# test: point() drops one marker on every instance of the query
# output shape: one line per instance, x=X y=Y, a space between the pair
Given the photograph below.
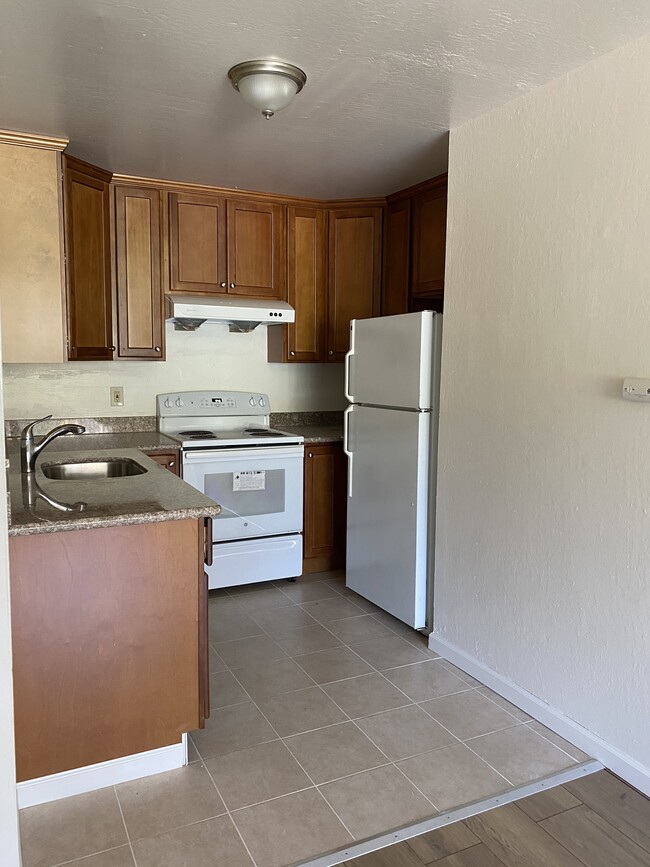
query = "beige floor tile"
x=71 y=828
x=352 y=630
x=232 y=728
x=265 y=599
x=174 y=799
x=335 y=751
x=557 y=741
x=307 y=639
x=383 y=653
x=206 y=844
x=516 y=712
x=337 y=663
x=264 y=679
x=377 y=801
x=397 y=626
x=303 y=591
x=361 y=696
x=248 y=651
x=225 y=690
x=520 y=754
x=335 y=608
x=407 y=731
x=453 y=776
x=255 y=587
x=192 y=752
x=283 y=620
x=231 y=623
x=256 y=774
x=469 y=680
x=290 y=829
x=364 y=604
x=216 y=662
x=425 y=680
x=121 y=857
x=468 y=714
x=301 y=711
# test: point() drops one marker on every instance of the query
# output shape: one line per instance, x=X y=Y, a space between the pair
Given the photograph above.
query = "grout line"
x=574 y=758
x=128 y=836
x=250 y=854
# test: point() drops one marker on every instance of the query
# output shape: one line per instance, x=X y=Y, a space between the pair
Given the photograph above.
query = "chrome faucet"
x=29 y=451
x=32 y=493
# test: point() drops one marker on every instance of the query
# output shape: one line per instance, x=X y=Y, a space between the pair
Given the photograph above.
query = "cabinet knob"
x=112 y=349
x=292 y=352
x=223 y=285
x=171 y=463
x=310 y=455
x=157 y=348
x=331 y=352
x=232 y=285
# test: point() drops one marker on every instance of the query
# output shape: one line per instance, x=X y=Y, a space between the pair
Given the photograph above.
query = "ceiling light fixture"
x=268 y=85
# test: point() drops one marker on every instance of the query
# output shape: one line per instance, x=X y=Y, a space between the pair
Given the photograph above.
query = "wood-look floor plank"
x=442 y=842
x=593 y=840
x=518 y=841
x=618 y=803
x=548 y=803
x=399 y=855
x=477 y=856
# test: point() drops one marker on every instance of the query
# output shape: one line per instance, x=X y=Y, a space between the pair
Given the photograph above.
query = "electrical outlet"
x=117 y=395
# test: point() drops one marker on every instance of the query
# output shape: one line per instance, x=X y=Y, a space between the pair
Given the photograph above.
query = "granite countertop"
x=145 y=440
x=316 y=433
x=150 y=497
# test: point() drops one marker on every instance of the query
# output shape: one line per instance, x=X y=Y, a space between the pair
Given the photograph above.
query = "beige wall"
x=31 y=286
x=211 y=357
x=543 y=547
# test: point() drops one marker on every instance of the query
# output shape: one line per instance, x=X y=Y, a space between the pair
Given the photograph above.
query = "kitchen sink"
x=115 y=468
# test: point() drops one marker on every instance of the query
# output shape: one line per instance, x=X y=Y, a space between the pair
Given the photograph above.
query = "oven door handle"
x=218 y=455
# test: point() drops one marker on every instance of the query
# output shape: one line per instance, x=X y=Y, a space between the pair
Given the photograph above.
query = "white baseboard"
x=92 y=777
x=611 y=757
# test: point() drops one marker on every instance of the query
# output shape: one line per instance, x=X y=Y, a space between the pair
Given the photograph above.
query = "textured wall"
x=208 y=358
x=543 y=551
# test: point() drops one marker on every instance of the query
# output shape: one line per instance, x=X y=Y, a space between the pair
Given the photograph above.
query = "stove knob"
x=252 y=400
x=261 y=401
x=169 y=403
x=179 y=401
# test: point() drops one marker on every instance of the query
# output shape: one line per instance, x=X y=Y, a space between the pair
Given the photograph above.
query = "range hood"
x=188 y=312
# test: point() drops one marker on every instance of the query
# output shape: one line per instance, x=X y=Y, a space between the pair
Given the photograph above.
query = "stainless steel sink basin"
x=115 y=468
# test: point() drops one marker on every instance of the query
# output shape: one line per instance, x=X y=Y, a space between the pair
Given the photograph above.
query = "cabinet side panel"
x=31 y=286
x=105 y=629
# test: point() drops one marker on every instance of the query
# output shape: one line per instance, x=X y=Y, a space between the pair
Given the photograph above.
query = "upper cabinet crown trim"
x=31 y=140
x=416 y=189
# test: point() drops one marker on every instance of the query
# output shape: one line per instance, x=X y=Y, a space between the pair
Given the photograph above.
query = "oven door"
x=259 y=489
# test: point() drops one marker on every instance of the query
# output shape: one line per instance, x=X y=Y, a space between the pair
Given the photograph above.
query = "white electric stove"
x=255 y=473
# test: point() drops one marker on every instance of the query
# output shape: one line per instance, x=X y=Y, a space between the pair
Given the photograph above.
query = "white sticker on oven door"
x=249 y=480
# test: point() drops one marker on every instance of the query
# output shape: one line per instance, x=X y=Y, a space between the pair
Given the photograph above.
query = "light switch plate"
x=117 y=395
x=636 y=389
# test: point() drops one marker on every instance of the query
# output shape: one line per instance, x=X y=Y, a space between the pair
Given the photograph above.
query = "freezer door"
x=393 y=360
x=388 y=509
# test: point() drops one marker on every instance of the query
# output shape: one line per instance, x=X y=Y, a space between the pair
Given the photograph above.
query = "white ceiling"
x=140 y=86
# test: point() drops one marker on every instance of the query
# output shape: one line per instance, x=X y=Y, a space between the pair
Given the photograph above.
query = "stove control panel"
x=211 y=403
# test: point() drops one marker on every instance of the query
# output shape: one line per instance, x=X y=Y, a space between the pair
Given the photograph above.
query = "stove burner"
x=263 y=433
x=195 y=433
x=255 y=430
x=208 y=436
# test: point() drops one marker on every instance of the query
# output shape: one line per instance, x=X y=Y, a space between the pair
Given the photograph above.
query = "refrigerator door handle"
x=348 y=361
x=346 y=445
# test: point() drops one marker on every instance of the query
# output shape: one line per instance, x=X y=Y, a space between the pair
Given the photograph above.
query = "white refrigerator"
x=392 y=378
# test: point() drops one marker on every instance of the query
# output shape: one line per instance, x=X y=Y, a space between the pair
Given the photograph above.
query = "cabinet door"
x=324 y=507
x=168 y=460
x=88 y=261
x=197 y=243
x=354 y=273
x=139 y=289
x=397 y=249
x=307 y=283
x=429 y=239
x=256 y=249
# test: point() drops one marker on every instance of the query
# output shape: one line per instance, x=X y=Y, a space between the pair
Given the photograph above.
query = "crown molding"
x=32 y=140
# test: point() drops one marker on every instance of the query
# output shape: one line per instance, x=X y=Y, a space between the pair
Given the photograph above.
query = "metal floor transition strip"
x=365 y=847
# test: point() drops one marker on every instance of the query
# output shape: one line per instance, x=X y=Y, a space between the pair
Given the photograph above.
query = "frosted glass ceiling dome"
x=268 y=85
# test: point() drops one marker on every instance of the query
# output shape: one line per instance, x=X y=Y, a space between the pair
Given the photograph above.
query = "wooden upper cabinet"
x=397 y=244
x=87 y=232
x=256 y=249
x=307 y=283
x=197 y=243
x=354 y=273
x=138 y=273
x=429 y=239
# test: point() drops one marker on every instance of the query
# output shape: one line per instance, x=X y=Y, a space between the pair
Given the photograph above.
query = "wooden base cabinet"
x=169 y=460
x=107 y=624
x=325 y=507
